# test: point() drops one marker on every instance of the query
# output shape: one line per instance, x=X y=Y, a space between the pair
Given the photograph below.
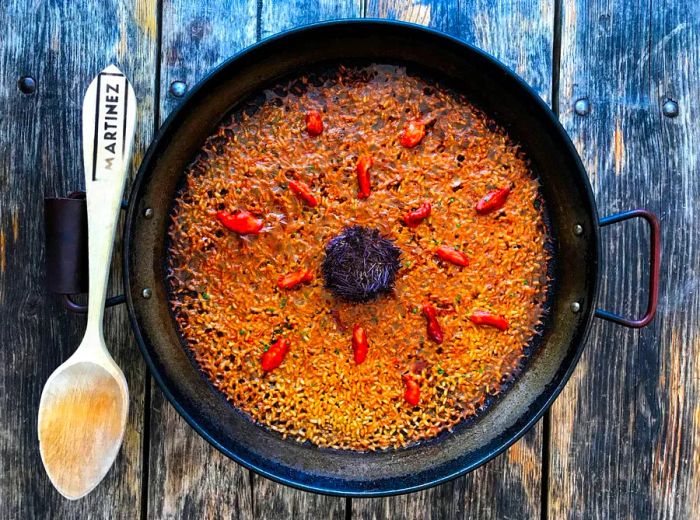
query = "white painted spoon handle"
x=109 y=115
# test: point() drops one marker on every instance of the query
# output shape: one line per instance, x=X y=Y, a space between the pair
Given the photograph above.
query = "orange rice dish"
x=267 y=300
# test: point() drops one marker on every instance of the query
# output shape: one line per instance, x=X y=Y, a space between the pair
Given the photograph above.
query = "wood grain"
x=276 y=17
x=507 y=487
x=81 y=421
x=520 y=34
x=62 y=46
x=272 y=500
x=198 y=36
x=625 y=441
x=187 y=477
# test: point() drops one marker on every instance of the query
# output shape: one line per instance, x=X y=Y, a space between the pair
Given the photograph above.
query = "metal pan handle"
x=80 y=308
x=655 y=258
x=65 y=224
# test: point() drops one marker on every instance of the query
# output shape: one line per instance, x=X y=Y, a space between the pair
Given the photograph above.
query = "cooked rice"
x=229 y=309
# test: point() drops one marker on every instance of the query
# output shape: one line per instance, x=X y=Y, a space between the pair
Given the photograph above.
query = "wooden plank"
x=507 y=487
x=198 y=36
x=273 y=500
x=187 y=477
x=276 y=17
x=520 y=34
x=625 y=438
x=62 y=46
x=195 y=39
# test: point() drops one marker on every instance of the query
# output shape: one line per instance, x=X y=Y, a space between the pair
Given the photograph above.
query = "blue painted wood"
x=274 y=500
x=624 y=433
x=187 y=477
x=625 y=438
x=520 y=34
x=278 y=16
x=62 y=46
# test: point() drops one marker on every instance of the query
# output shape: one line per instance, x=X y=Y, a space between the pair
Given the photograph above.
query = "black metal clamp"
x=65 y=224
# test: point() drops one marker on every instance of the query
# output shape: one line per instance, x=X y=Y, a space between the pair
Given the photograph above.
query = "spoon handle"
x=109 y=116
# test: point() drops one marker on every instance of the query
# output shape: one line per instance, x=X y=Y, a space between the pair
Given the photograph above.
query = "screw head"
x=575 y=307
x=582 y=106
x=178 y=88
x=26 y=85
x=670 y=108
x=147 y=293
x=148 y=213
x=578 y=230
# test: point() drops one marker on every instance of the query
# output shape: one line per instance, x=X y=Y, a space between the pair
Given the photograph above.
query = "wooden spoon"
x=84 y=404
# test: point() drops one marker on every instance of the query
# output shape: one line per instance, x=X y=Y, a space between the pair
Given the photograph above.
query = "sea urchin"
x=360 y=264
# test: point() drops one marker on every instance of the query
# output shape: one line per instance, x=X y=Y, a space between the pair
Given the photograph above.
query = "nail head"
x=146 y=293
x=578 y=229
x=26 y=85
x=148 y=213
x=670 y=108
x=178 y=88
x=582 y=106
x=575 y=307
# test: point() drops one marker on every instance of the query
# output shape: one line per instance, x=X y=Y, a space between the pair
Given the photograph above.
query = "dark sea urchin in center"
x=360 y=264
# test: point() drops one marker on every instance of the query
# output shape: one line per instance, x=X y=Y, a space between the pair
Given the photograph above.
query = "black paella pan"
x=574 y=226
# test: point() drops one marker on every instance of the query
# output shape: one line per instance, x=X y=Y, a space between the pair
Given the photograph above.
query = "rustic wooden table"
x=622 y=441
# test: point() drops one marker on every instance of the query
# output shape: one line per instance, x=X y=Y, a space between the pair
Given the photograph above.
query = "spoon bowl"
x=82 y=418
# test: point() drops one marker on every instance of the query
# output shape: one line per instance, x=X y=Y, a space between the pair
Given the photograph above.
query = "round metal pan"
x=574 y=226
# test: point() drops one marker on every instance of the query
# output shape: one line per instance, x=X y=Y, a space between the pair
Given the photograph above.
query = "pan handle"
x=654 y=259
x=65 y=225
x=80 y=308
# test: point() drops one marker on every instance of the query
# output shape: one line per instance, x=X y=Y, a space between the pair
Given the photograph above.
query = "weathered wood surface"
x=196 y=38
x=520 y=34
x=274 y=500
x=625 y=440
x=62 y=46
x=187 y=477
x=624 y=435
